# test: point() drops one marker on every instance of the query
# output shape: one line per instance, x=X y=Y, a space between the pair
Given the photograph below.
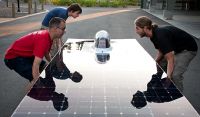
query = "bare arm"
x=60 y=43
x=35 y=68
x=35 y=72
x=48 y=57
x=170 y=63
x=159 y=56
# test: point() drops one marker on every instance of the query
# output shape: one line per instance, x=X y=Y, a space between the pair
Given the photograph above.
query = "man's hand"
x=159 y=56
x=170 y=63
x=35 y=73
x=30 y=85
x=167 y=82
x=48 y=57
x=35 y=83
x=35 y=68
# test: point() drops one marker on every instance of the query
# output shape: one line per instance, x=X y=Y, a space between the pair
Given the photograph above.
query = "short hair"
x=143 y=21
x=75 y=7
x=55 y=22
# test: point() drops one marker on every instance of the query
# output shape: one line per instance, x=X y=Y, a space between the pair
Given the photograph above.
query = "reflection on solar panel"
x=122 y=87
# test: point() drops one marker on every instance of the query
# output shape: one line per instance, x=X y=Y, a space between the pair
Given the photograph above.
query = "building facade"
x=191 y=5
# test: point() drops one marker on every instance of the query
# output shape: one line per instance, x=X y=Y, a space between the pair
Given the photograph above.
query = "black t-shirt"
x=170 y=38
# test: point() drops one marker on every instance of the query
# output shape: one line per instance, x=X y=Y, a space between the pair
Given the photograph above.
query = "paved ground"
x=118 y=22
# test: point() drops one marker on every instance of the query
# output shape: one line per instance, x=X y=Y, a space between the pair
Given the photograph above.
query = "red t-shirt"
x=34 y=44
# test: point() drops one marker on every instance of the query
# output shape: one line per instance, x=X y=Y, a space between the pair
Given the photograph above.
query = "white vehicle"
x=102 y=46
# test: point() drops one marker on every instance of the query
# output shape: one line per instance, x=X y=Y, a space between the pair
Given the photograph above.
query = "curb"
x=24 y=16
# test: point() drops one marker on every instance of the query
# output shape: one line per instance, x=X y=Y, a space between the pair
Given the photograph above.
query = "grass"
x=97 y=3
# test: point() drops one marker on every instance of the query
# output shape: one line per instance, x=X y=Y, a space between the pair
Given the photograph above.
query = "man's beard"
x=143 y=34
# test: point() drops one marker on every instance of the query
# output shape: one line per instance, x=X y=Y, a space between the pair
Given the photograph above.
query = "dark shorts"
x=23 y=66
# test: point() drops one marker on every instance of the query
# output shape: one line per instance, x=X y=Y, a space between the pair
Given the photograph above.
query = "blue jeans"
x=23 y=66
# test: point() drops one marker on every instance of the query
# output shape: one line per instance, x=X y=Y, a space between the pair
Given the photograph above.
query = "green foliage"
x=41 y=1
x=103 y=3
x=100 y=3
x=133 y=2
x=89 y=3
x=60 y=2
x=81 y=2
x=118 y=3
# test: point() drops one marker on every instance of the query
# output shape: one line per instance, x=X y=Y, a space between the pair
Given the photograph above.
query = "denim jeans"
x=23 y=66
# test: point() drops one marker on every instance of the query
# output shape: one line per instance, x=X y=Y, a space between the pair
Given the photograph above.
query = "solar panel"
x=121 y=86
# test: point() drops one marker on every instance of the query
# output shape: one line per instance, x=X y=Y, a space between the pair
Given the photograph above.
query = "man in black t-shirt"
x=176 y=48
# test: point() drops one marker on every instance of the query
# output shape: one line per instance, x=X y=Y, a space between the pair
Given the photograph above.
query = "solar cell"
x=124 y=86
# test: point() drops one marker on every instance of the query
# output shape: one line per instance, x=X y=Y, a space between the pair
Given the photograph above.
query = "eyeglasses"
x=63 y=29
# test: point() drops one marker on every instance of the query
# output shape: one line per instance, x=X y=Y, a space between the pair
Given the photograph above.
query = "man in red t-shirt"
x=25 y=55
